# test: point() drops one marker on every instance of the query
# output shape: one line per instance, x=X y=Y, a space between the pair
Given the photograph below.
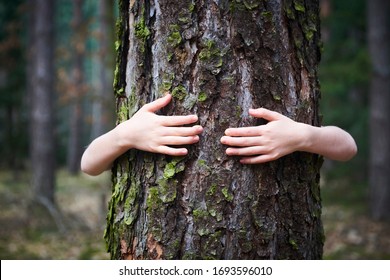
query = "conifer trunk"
x=218 y=59
x=379 y=168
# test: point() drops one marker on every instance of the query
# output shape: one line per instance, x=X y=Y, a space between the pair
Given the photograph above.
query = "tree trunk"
x=379 y=45
x=100 y=109
x=218 y=59
x=76 y=109
x=41 y=100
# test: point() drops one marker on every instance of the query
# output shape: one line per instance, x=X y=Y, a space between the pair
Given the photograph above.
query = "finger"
x=179 y=140
x=247 y=151
x=241 y=141
x=257 y=159
x=172 y=151
x=182 y=131
x=178 y=120
x=157 y=104
x=243 y=131
x=265 y=114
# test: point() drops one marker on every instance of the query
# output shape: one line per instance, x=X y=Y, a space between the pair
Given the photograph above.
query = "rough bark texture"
x=379 y=44
x=218 y=59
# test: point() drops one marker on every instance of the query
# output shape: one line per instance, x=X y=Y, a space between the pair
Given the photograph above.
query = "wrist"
x=308 y=141
x=121 y=139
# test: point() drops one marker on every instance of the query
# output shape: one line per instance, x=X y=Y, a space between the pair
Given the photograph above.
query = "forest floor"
x=349 y=232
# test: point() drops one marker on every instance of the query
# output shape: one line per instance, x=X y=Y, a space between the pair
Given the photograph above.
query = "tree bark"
x=379 y=45
x=218 y=59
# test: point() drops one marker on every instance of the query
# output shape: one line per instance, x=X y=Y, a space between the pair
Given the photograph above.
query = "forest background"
x=84 y=64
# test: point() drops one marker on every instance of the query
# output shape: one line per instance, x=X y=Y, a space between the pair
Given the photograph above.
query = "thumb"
x=158 y=103
x=265 y=114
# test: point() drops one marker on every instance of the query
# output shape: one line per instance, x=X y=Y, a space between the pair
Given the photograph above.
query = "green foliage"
x=13 y=112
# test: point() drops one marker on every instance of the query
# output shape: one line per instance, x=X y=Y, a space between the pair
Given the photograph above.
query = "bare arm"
x=282 y=136
x=144 y=131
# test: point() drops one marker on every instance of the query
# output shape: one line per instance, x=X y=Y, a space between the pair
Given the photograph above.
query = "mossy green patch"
x=191 y=8
x=199 y=213
x=203 y=231
x=290 y=13
x=166 y=85
x=210 y=50
x=238 y=111
x=252 y=4
x=174 y=166
x=123 y=112
x=174 y=38
x=299 y=6
x=169 y=170
x=117 y=45
x=179 y=92
x=276 y=97
x=167 y=190
x=228 y=195
x=212 y=190
x=293 y=243
x=309 y=30
x=202 y=96
x=216 y=214
x=142 y=33
x=153 y=199
x=141 y=30
x=204 y=167
x=267 y=15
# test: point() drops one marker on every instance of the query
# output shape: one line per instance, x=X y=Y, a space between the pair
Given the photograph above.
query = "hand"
x=154 y=133
x=259 y=144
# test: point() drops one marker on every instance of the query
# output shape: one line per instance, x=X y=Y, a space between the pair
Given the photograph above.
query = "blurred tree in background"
x=40 y=91
x=379 y=45
x=354 y=75
x=48 y=68
x=78 y=90
x=344 y=77
x=96 y=38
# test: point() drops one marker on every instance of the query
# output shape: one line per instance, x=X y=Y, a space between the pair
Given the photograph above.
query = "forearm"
x=329 y=141
x=101 y=153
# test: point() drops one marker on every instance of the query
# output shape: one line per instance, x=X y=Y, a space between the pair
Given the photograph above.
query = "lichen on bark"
x=218 y=59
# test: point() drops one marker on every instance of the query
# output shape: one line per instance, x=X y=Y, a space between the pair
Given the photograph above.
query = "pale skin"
x=145 y=131
x=154 y=133
x=282 y=136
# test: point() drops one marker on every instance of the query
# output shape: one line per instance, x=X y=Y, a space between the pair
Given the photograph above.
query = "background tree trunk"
x=41 y=99
x=75 y=148
x=218 y=59
x=379 y=45
x=101 y=107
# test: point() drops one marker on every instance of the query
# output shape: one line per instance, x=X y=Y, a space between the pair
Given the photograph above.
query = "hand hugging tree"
x=217 y=61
